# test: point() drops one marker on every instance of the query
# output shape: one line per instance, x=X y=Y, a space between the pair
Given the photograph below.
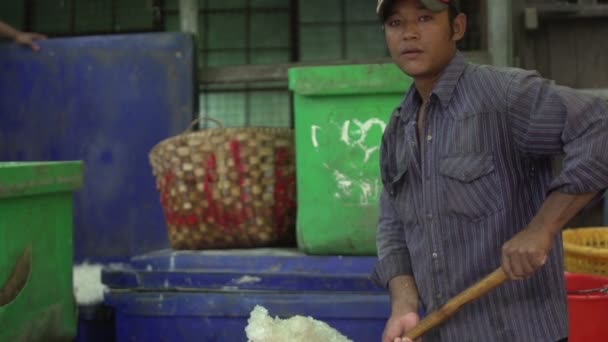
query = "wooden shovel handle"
x=474 y=292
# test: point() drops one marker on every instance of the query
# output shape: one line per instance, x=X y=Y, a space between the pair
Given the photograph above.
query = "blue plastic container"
x=105 y=100
x=208 y=295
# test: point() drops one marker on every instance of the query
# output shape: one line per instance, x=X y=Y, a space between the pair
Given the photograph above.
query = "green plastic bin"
x=340 y=115
x=36 y=233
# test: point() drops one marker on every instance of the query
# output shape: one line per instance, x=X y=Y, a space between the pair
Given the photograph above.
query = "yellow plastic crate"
x=586 y=250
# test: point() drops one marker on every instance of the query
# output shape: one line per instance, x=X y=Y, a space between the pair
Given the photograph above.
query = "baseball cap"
x=433 y=5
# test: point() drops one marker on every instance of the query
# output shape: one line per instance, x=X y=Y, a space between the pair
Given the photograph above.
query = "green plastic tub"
x=340 y=115
x=36 y=296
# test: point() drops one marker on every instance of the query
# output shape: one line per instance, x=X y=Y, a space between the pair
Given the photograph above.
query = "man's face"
x=420 y=41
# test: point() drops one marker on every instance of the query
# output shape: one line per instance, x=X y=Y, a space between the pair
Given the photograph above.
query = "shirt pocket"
x=393 y=167
x=394 y=182
x=471 y=184
x=400 y=192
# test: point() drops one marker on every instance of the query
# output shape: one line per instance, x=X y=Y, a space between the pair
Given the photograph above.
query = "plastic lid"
x=255 y=269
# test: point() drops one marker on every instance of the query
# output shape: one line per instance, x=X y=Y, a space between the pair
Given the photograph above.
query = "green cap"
x=433 y=5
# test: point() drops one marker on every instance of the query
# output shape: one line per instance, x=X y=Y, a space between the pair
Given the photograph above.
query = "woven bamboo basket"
x=586 y=250
x=227 y=187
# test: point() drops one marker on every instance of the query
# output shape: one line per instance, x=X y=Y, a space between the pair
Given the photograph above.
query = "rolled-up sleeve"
x=547 y=120
x=393 y=255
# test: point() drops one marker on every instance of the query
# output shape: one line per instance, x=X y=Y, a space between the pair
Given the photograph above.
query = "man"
x=468 y=183
x=24 y=38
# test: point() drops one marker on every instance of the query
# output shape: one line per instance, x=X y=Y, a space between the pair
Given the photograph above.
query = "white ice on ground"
x=263 y=328
x=88 y=288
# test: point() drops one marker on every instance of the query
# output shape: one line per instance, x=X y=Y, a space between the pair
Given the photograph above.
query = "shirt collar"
x=410 y=105
x=444 y=89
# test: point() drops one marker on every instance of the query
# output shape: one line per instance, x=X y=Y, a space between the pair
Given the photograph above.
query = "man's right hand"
x=399 y=325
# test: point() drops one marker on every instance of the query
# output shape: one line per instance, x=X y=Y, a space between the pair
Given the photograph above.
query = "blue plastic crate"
x=208 y=295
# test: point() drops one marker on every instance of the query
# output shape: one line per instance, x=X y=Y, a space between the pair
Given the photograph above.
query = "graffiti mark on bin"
x=314 y=130
x=357 y=136
x=367 y=190
x=355 y=180
x=354 y=133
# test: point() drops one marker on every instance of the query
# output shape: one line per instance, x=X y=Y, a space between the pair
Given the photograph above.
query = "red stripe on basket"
x=240 y=216
x=235 y=148
x=211 y=174
x=164 y=186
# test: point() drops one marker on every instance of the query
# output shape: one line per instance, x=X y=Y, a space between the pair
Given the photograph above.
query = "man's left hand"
x=527 y=252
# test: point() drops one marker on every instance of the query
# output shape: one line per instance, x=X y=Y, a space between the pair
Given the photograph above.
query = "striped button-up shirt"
x=475 y=178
